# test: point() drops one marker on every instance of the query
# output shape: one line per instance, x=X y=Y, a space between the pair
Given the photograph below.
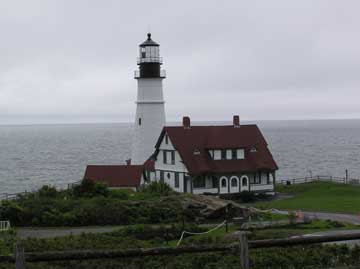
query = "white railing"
x=4 y=225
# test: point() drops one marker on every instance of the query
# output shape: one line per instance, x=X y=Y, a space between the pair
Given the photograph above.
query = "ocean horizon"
x=56 y=154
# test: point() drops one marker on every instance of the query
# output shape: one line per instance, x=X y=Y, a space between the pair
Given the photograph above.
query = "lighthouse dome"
x=149 y=42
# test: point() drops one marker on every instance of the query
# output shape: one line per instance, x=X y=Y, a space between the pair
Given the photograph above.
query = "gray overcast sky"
x=73 y=61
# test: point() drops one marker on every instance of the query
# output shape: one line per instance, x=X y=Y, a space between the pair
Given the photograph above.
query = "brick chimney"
x=236 y=121
x=128 y=162
x=186 y=122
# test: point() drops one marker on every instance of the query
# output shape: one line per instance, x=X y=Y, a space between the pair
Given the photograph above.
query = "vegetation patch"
x=93 y=204
x=317 y=196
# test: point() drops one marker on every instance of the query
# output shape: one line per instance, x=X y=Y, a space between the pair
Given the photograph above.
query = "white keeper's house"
x=213 y=159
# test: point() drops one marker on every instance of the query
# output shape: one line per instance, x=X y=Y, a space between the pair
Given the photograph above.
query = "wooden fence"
x=11 y=196
x=344 y=180
x=241 y=248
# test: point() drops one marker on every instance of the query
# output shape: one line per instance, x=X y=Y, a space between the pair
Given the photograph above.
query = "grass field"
x=318 y=196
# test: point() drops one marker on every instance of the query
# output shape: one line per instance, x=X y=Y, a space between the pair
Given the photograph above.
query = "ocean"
x=34 y=155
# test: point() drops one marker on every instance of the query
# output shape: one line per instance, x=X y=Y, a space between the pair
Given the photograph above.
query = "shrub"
x=47 y=191
x=247 y=196
x=157 y=187
x=89 y=188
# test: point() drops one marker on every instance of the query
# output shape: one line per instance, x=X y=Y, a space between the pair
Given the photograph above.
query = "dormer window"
x=226 y=154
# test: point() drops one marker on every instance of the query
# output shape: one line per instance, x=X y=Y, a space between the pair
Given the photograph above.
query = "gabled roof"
x=115 y=175
x=203 y=138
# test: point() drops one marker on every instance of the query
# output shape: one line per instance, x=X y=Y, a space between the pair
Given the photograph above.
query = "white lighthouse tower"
x=150 y=110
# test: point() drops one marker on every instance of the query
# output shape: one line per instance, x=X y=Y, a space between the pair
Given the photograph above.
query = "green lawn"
x=318 y=196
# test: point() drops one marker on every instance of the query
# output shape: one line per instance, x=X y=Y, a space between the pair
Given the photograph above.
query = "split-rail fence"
x=241 y=248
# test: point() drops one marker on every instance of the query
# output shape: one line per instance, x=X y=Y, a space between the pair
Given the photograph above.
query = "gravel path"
x=354 y=219
x=63 y=231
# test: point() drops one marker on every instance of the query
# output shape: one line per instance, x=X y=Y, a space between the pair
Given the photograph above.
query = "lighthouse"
x=150 y=107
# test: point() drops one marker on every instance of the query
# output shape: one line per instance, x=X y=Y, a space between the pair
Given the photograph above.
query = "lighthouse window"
x=143 y=53
x=139 y=121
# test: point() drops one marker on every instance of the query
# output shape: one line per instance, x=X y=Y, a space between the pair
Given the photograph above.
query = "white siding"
x=159 y=163
x=150 y=109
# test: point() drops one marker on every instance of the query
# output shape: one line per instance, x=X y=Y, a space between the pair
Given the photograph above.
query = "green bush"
x=47 y=191
x=247 y=196
x=157 y=187
x=89 y=188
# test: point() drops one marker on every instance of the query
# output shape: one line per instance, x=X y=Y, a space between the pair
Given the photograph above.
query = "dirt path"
x=353 y=219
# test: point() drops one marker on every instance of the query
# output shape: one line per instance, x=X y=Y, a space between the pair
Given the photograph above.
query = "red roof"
x=149 y=165
x=115 y=175
x=203 y=138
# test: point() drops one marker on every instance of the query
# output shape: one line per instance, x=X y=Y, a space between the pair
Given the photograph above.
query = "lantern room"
x=149 y=60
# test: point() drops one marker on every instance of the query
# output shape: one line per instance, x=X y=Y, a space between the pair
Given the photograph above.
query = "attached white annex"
x=213 y=159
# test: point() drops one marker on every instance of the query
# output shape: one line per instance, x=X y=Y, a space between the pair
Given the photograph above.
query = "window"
x=234 y=182
x=173 y=157
x=161 y=176
x=199 y=182
x=253 y=149
x=223 y=154
x=169 y=156
x=196 y=152
x=240 y=154
x=217 y=154
x=143 y=53
x=257 y=178
x=211 y=152
x=223 y=183
x=139 y=121
x=176 y=180
x=168 y=175
x=166 y=139
x=215 y=181
x=268 y=178
x=244 y=181
x=228 y=154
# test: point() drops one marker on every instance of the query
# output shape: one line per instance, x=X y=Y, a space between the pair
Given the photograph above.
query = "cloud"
x=74 y=61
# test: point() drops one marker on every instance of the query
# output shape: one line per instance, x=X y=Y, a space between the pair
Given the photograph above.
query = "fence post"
x=244 y=251
x=19 y=255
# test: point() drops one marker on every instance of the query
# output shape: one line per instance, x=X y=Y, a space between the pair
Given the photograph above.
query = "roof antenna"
x=149 y=28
